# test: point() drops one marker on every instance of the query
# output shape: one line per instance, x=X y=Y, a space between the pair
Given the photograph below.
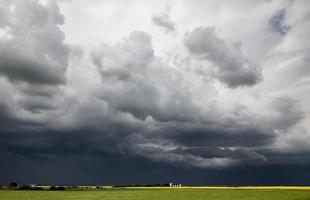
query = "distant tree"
x=53 y=187
x=12 y=185
x=29 y=187
x=25 y=187
x=57 y=188
x=60 y=188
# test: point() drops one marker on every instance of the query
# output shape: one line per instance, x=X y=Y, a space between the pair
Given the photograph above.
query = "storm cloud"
x=33 y=51
x=234 y=69
x=213 y=98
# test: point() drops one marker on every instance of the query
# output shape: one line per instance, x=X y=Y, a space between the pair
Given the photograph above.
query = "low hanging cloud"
x=232 y=67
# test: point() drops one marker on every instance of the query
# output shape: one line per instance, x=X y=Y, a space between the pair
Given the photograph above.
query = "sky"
x=195 y=92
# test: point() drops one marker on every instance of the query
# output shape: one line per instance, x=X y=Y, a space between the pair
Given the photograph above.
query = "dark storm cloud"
x=10 y=119
x=51 y=143
x=138 y=109
x=233 y=68
x=41 y=157
x=136 y=82
x=243 y=138
x=103 y=140
x=111 y=169
x=33 y=57
x=200 y=146
x=219 y=137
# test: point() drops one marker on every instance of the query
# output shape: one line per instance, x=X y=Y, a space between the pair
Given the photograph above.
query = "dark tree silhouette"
x=12 y=185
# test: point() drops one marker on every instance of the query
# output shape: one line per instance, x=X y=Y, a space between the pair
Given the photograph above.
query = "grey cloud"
x=238 y=155
x=30 y=69
x=233 y=68
x=143 y=100
x=187 y=160
x=35 y=52
x=135 y=81
x=209 y=155
x=125 y=58
x=143 y=107
x=291 y=53
x=10 y=120
x=38 y=98
x=101 y=130
x=164 y=21
x=38 y=90
x=202 y=146
x=34 y=61
x=223 y=143
x=277 y=22
x=219 y=137
x=37 y=104
x=288 y=111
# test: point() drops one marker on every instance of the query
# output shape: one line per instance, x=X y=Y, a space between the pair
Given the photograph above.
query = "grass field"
x=161 y=194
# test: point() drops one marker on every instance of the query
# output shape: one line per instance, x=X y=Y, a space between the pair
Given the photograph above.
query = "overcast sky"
x=117 y=91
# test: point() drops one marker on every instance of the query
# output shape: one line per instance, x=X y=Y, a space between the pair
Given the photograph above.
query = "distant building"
x=175 y=185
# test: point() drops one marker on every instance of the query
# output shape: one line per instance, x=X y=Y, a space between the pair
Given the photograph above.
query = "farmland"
x=196 y=193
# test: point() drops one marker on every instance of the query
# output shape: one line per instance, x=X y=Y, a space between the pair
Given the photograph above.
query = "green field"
x=161 y=194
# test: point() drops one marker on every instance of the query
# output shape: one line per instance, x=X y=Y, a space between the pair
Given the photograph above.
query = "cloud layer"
x=212 y=95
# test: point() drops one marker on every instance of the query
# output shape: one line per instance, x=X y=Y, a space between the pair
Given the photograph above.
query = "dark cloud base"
x=112 y=169
x=71 y=158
